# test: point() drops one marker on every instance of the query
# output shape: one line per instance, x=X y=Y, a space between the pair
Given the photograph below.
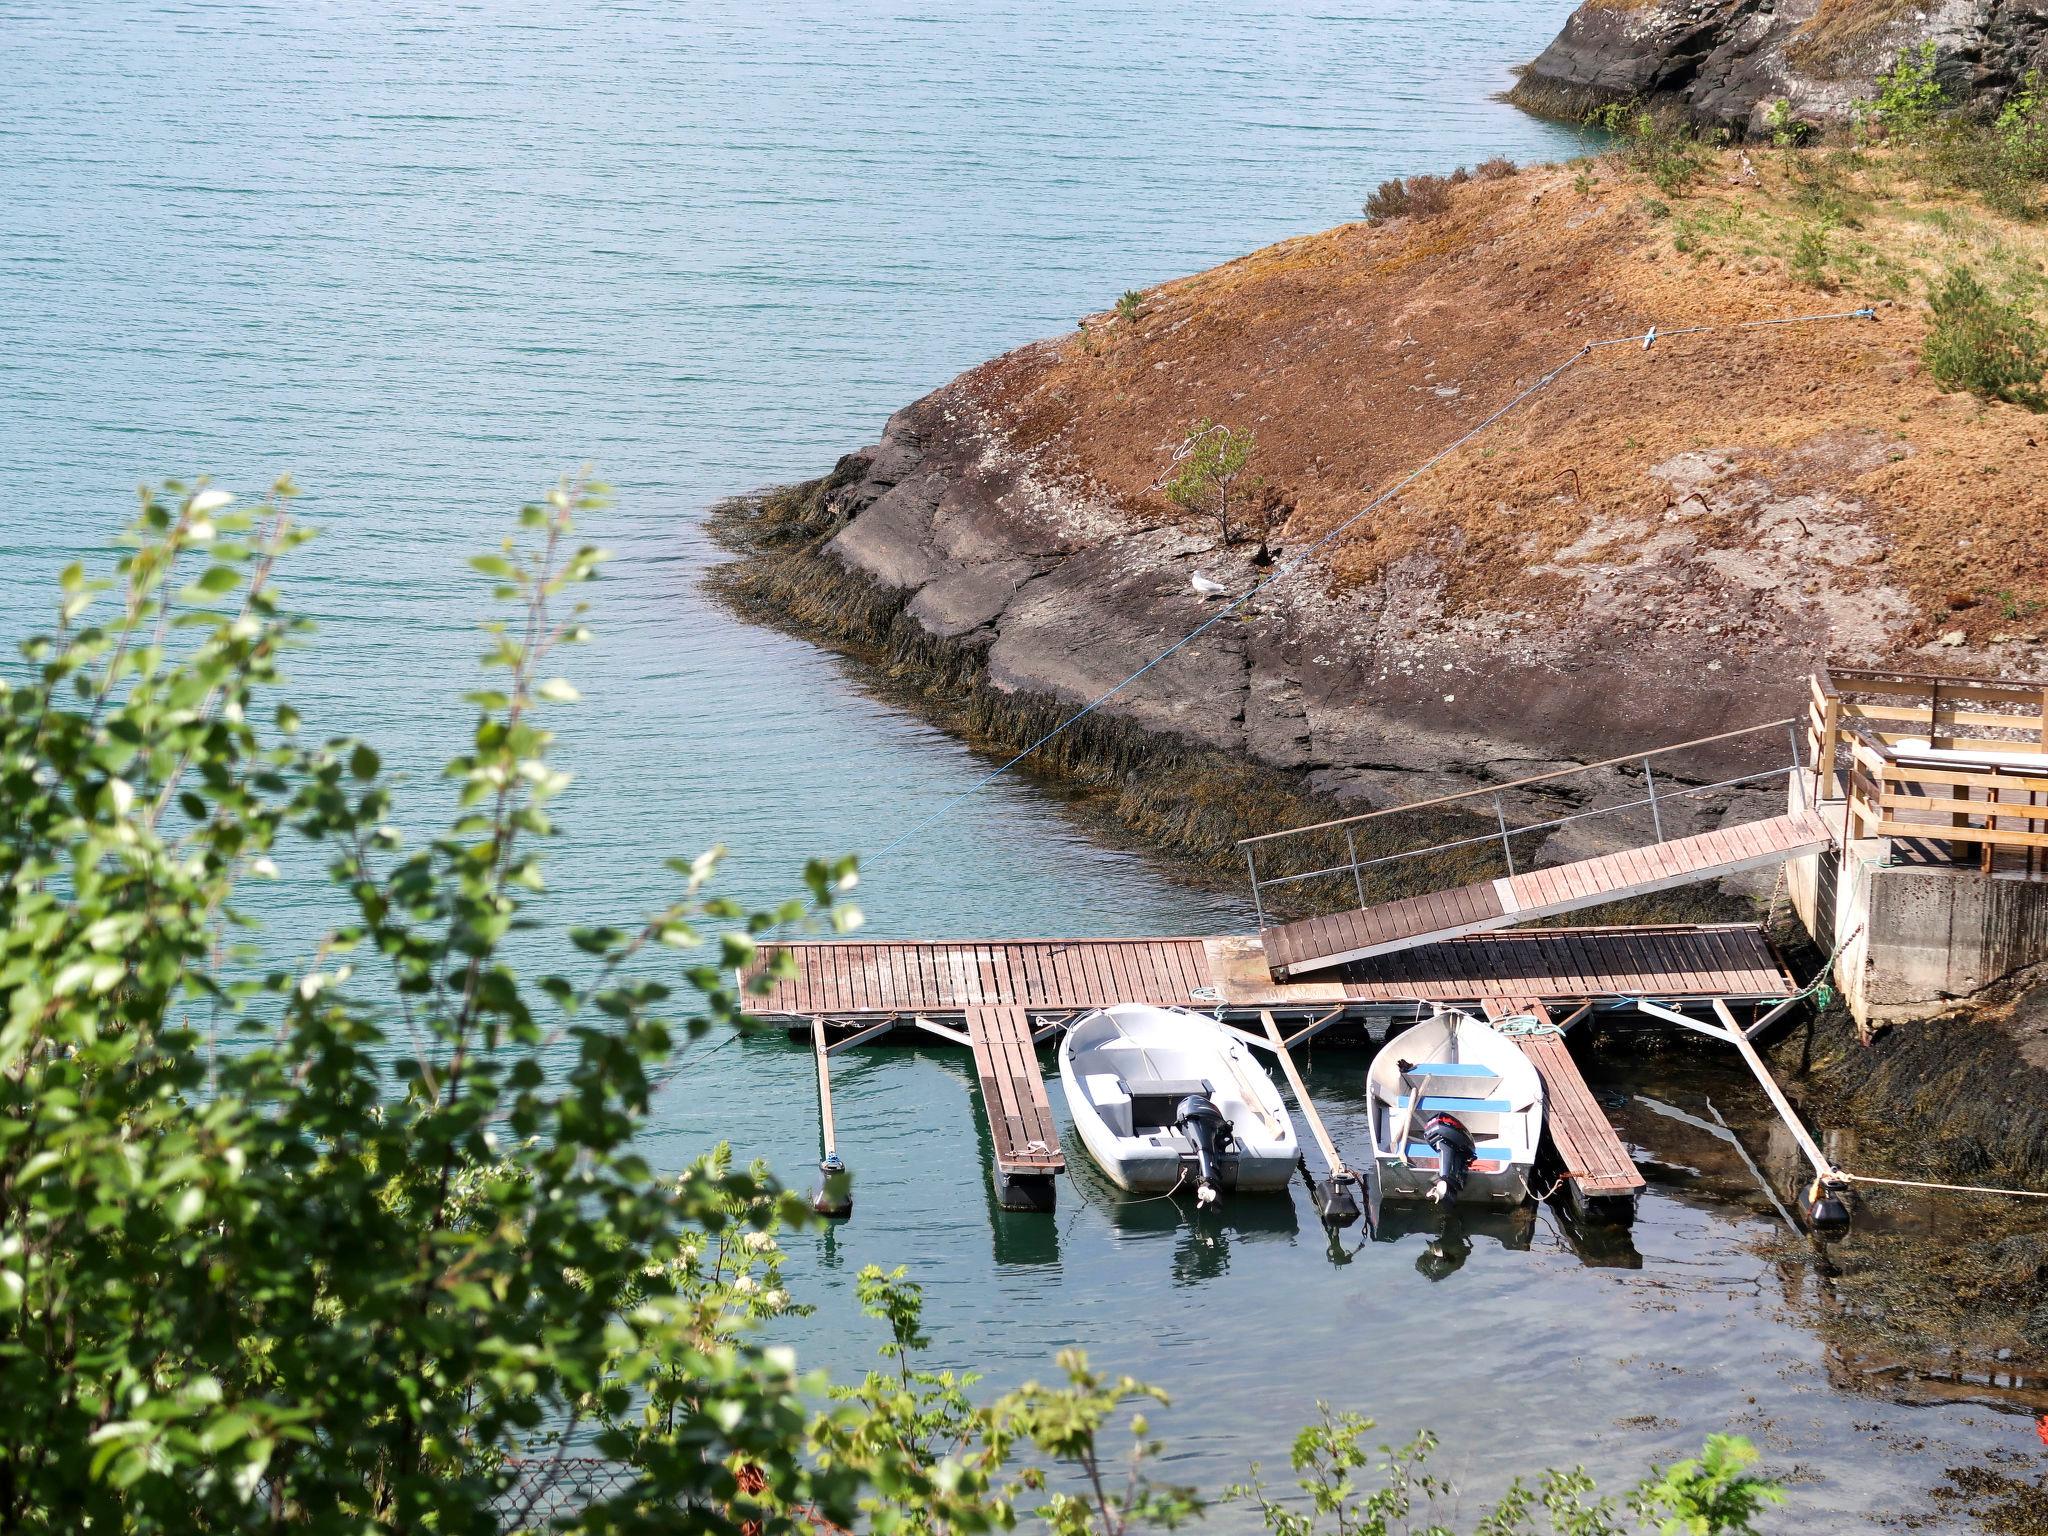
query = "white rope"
x=1525 y=1024
x=1958 y=1189
x=1294 y=562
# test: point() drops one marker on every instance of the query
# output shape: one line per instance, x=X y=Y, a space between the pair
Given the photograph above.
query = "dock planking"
x=853 y=981
x=1319 y=943
x=1597 y=1169
x=1004 y=993
x=1027 y=1143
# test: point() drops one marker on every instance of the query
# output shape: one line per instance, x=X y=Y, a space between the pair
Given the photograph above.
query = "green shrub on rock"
x=1417 y=197
x=1659 y=146
x=1980 y=343
x=1909 y=96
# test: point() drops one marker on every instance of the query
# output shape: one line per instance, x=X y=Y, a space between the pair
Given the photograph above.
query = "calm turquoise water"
x=429 y=259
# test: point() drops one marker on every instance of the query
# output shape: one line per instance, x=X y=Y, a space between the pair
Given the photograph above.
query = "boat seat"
x=1432 y=1102
x=1451 y=1069
x=1160 y=1087
x=1105 y=1091
x=1485 y=1154
x=1154 y=1099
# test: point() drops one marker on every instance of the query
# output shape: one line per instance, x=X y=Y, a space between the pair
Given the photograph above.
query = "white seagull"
x=1208 y=588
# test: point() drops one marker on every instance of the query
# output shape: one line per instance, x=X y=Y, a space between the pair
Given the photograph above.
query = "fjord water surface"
x=429 y=259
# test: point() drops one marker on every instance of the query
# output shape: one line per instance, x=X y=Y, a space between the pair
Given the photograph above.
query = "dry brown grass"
x=1356 y=353
x=1842 y=31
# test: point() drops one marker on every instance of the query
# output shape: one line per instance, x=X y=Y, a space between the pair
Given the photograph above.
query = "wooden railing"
x=1863 y=728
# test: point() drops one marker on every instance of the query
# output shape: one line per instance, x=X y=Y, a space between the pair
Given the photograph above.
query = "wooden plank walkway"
x=1318 y=943
x=1597 y=1168
x=870 y=980
x=847 y=979
x=1027 y=1143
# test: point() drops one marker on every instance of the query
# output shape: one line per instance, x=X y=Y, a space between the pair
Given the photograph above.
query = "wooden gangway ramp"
x=1599 y=1175
x=1319 y=943
x=1027 y=1143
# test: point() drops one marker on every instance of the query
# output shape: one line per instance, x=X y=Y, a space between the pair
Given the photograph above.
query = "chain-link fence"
x=544 y=1489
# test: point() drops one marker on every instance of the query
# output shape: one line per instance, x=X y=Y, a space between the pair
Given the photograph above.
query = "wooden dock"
x=852 y=984
x=1027 y=1143
x=1600 y=1176
x=1002 y=997
x=1319 y=943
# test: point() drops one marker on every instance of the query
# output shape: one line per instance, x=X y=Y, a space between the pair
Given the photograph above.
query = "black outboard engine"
x=1455 y=1152
x=1197 y=1118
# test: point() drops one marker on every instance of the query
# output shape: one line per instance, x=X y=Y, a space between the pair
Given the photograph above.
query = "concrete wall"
x=1919 y=938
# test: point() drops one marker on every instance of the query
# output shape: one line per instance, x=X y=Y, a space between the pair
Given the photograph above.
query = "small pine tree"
x=1980 y=343
x=1210 y=472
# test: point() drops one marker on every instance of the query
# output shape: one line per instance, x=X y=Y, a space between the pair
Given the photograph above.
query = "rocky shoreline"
x=1945 y=1099
x=1659 y=553
x=1723 y=63
x=1148 y=778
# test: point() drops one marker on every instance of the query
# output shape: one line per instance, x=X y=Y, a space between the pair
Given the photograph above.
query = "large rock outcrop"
x=1724 y=62
x=1654 y=546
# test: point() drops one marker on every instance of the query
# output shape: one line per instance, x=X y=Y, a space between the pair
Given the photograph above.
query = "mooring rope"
x=1820 y=984
x=1959 y=1189
x=1294 y=562
x=1525 y=1024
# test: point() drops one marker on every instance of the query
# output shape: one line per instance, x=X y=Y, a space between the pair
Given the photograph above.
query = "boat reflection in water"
x=1447 y=1236
x=1204 y=1237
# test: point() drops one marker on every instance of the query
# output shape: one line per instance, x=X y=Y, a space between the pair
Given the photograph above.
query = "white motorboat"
x=1166 y=1099
x=1457 y=1113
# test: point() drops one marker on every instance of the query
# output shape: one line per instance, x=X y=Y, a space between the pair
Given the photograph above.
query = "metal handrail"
x=1500 y=789
x=1651 y=800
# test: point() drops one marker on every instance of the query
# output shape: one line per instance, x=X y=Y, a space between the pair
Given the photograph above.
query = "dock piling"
x=834 y=1195
x=1826 y=1201
x=1337 y=1196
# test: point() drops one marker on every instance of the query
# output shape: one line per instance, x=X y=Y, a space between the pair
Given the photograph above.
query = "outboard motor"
x=1455 y=1152
x=1198 y=1118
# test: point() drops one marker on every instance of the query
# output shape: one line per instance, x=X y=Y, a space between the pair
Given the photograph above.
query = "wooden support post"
x=834 y=1196
x=1310 y=1031
x=1331 y=1160
x=829 y=1132
x=860 y=1036
x=1824 y=1204
x=1337 y=1195
x=1762 y=1073
x=1776 y=1013
x=1673 y=1016
x=1823 y=1199
x=1578 y=1013
x=952 y=1036
x=1824 y=759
